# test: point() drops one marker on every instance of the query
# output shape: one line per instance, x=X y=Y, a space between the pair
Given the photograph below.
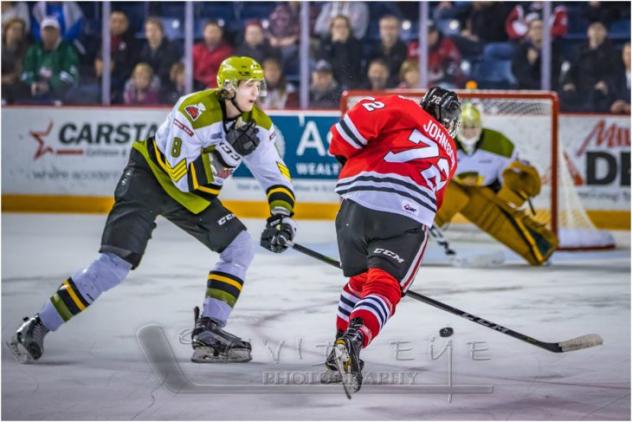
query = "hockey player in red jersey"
x=398 y=155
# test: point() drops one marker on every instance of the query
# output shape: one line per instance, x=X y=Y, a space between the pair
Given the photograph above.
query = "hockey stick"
x=458 y=260
x=577 y=343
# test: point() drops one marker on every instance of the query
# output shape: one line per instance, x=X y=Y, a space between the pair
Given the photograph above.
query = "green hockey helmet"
x=471 y=127
x=235 y=69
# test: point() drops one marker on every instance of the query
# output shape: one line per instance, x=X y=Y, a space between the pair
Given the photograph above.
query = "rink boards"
x=68 y=159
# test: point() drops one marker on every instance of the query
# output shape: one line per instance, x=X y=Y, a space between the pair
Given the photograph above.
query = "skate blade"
x=207 y=355
x=343 y=363
x=20 y=352
x=330 y=377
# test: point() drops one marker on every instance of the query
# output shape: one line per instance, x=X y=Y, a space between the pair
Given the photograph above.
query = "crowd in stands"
x=52 y=51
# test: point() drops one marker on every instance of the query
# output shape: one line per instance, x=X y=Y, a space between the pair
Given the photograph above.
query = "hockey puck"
x=446 y=332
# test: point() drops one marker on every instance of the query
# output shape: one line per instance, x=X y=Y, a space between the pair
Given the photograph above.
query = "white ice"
x=95 y=366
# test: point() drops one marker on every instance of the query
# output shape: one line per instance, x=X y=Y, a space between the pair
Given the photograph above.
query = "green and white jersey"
x=493 y=153
x=191 y=159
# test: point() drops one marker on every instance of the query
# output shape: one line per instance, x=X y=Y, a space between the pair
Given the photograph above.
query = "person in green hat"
x=178 y=174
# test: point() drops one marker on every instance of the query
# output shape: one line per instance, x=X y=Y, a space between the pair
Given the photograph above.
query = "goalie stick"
x=490 y=259
x=577 y=343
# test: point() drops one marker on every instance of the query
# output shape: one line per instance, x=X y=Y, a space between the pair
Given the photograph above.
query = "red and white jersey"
x=399 y=158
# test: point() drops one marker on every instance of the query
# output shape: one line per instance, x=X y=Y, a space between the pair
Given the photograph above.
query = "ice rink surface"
x=127 y=356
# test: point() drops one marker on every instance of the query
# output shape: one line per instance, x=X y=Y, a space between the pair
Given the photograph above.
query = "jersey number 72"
x=436 y=175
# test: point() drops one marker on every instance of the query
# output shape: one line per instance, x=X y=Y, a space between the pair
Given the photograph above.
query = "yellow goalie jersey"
x=191 y=159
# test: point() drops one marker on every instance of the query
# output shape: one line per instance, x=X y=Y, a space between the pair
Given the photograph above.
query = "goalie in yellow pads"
x=490 y=188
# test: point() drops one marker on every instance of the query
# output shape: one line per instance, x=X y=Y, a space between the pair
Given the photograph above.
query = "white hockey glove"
x=280 y=229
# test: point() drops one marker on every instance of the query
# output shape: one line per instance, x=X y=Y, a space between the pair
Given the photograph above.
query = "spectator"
x=283 y=30
x=158 y=51
x=409 y=75
x=143 y=87
x=605 y=12
x=622 y=84
x=16 y=9
x=208 y=54
x=444 y=59
x=378 y=75
x=124 y=50
x=344 y=52
x=13 y=51
x=526 y=63
x=67 y=13
x=280 y=93
x=588 y=83
x=517 y=22
x=324 y=91
x=355 y=11
x=177 y=87
x=391 y=48
x=486 y=21
x=255 y=44
x=50 y=66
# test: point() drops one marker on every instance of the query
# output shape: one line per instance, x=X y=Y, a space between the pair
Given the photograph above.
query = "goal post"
x=530 y=120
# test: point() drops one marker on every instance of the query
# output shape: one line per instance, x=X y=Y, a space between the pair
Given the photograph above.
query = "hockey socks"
x=222 y=291
x=63 y=305
x=350 y=295
x=381 y=293
x=76 y=293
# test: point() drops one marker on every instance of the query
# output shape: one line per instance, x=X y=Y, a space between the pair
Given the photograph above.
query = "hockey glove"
x=280 y=229
x=243 y=139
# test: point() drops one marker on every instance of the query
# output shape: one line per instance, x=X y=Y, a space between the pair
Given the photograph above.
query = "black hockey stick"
x=458 y=260
x=577 y=343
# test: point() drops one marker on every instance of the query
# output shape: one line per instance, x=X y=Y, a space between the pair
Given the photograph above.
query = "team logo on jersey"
x=410 y=208
x=194 y=110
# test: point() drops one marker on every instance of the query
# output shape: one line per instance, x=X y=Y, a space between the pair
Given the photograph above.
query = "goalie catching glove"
x=521 y=181
x=280 y=230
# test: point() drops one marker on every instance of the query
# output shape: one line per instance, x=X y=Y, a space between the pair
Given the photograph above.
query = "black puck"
x=446 y=332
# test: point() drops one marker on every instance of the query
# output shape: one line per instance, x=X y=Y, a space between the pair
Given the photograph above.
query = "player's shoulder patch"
x=260 y=118
x=201 y=108
x=496 y=143
x=194 y=110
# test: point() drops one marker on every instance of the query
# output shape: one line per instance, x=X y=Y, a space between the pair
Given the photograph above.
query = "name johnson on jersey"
x=398 y=158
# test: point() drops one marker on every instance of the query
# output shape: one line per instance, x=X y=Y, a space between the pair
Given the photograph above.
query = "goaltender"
x=491 y=186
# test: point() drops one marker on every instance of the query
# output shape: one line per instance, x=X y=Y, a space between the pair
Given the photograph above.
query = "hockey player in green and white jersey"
x=179 y=174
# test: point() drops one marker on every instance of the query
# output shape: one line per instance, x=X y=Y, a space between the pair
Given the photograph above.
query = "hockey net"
x=530 y=120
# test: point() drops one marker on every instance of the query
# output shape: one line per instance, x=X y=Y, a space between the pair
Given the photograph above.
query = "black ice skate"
x=27 y=344
x=211 y=344
x=331 y=374
x=347 y=357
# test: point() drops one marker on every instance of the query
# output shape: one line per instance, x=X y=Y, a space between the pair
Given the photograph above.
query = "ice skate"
x=27 y=344
x=331 y=374
x=347 y=357
x=211 y=344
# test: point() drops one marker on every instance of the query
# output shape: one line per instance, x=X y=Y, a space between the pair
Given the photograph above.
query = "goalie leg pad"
x=511 y=227
x=454 y=201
